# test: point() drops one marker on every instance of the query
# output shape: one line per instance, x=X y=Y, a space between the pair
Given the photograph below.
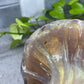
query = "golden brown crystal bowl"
x=54 y=54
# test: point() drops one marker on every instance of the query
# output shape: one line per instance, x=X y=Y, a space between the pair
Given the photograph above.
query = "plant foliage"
x=23 y=25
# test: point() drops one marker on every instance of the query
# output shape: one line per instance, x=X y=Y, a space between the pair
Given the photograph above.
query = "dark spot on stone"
x=43 y=27
x=45 y=42
x=75 y=20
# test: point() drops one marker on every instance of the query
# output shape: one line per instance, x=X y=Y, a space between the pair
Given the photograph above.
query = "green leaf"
x=26 y=29
x=59 y=3
x=58 y=13
x=76 y=5
x=83 y=4
x=14 y=29
x=24 y=19
x=19 y=22
x=1 y=34
x=14 y=43
x=28 y=24
x=77 y=8
x=76 y=11
x=42 y=17
x=72 y=1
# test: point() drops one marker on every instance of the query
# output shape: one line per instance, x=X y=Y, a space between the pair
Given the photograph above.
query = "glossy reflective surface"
x=54 y=54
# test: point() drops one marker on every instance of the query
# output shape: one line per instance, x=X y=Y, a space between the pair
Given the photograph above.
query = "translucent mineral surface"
x=54 y=54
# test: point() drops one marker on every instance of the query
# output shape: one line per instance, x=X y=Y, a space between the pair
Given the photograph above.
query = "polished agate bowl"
x=54 y=54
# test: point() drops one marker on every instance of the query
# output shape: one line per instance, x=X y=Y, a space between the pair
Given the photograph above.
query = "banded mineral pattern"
x=54 y=54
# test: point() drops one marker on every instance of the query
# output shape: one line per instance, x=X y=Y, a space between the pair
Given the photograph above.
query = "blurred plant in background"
x=24 y=25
